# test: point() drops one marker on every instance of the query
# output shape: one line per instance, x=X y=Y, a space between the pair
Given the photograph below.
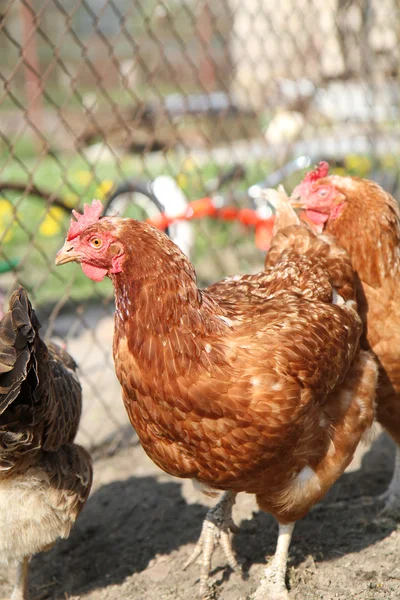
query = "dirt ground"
x=140 y=525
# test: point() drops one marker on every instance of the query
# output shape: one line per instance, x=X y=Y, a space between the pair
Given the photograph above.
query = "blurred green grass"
x=31 y=231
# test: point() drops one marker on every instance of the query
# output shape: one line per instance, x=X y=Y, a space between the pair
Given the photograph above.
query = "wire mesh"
x=96 y=93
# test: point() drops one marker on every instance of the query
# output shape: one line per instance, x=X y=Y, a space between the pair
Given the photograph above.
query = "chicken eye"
x=96 y=242
x=322 y=192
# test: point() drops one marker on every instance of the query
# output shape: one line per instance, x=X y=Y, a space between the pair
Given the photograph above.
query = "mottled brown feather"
x=245 y=384
x=369 y=229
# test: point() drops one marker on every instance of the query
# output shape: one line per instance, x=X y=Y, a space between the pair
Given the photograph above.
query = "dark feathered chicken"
x=45 y=478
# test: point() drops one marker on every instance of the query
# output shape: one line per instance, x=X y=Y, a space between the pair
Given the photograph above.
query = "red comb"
x=321 y=171
x=91 y=214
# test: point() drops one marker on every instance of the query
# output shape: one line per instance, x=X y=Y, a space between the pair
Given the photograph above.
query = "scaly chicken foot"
x=216 y=529
x=391 y=497
x=273 y=586
x=20 y=591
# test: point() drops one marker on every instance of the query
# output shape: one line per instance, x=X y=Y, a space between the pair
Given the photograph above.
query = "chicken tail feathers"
x=18 y=330
x=285 y=214
x=291 y=234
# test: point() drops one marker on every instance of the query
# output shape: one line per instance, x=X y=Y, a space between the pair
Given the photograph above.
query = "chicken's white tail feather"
x=285 y=214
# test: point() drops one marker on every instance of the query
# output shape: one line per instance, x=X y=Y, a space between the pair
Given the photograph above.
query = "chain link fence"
x=101 y=97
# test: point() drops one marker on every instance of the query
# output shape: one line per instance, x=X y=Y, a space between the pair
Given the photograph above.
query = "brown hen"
x=366 y=221
x=45 y=478
x=255 y=384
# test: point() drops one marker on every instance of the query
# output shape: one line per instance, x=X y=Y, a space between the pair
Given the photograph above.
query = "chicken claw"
x=272 y=586
x=216 y=529
x=391 y=497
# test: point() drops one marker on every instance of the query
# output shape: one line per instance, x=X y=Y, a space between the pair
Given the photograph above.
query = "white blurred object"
x=264 y=211
x=175 y=203
x=101 y=152
x=293 y=92
x=285 y=127
x=89 y=101
x=353 y=101
x=130 y=73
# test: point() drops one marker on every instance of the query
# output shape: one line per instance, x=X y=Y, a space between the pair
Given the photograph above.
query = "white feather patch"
x=205 y=489
x=337 y=298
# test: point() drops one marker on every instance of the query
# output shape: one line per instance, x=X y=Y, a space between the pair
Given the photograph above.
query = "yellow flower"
x=104 y=188
x=188 y=164
x=340 y=171
x=6 y=209
x=84 y=177
x=51 y=223
x=360 y=164
x=6 y=237
x=71 y=200
x=6 y=220
x=181 y=180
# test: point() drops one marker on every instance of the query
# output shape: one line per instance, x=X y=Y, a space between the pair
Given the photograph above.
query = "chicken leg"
x=20 y=591
x=272 y=586
x=216 y=529
x=392 y=495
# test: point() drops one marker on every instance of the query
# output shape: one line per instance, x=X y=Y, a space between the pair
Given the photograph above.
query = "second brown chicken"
x=365 y=220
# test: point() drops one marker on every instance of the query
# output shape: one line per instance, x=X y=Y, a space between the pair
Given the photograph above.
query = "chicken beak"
x=296 y=202
x=66 y=254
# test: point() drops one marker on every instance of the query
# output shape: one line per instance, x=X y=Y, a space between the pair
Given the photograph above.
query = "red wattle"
x=95 y=273
x=316 y=217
